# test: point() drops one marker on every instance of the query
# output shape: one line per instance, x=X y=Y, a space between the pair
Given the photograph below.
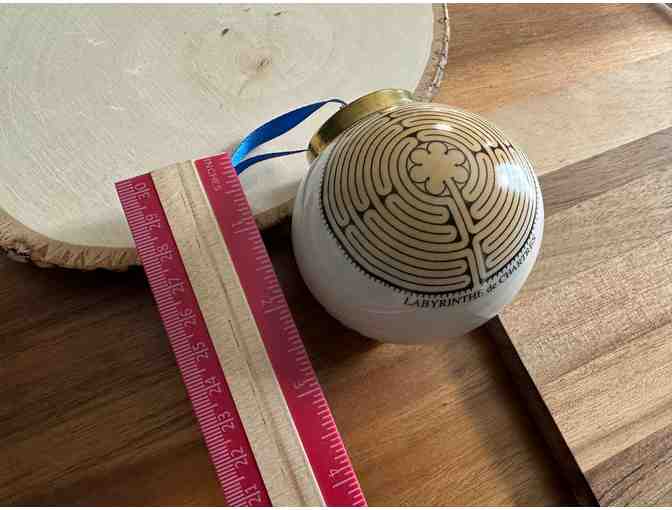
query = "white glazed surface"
x=376 y=310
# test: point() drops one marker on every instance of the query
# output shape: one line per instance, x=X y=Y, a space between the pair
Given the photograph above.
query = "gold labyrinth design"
x=428 y=199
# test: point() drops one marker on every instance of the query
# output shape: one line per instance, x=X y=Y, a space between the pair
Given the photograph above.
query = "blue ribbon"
x=271 y=130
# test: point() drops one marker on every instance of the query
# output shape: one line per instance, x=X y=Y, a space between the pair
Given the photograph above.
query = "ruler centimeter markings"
x=230 y=450
x=237 y=340
x=213 y=404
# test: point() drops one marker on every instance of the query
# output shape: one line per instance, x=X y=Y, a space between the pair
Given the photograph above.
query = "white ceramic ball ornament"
x=416 y=222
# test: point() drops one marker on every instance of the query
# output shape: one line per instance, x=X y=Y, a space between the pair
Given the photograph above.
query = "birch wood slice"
x=94 y=94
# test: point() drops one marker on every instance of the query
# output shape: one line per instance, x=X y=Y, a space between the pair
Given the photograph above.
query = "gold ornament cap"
x=349 y=115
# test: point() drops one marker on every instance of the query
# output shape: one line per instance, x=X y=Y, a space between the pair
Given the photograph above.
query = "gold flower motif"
x=435 y=164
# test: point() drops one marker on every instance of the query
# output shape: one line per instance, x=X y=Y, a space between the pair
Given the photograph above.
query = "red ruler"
x=197 y=352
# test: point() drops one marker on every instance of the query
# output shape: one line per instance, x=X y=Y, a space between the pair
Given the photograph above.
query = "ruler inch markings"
x=270 y=323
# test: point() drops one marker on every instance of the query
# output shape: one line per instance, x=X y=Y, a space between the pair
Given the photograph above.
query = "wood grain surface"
x=589 y=330
x=93 y=410
x=592 y=326
x=96 y=413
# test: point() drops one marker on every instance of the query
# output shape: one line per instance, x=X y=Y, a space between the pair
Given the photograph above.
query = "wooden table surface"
x=92 y=408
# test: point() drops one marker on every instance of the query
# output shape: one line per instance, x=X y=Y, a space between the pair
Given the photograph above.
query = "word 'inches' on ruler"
x=266 y=423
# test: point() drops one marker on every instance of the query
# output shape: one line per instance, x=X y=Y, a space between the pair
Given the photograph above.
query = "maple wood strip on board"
x=592 y=325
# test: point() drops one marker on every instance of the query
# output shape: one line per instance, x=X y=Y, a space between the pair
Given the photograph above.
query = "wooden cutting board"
x=590 y=335
x=588 y=338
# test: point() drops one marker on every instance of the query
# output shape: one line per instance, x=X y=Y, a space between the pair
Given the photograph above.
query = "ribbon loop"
x=271 y=130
